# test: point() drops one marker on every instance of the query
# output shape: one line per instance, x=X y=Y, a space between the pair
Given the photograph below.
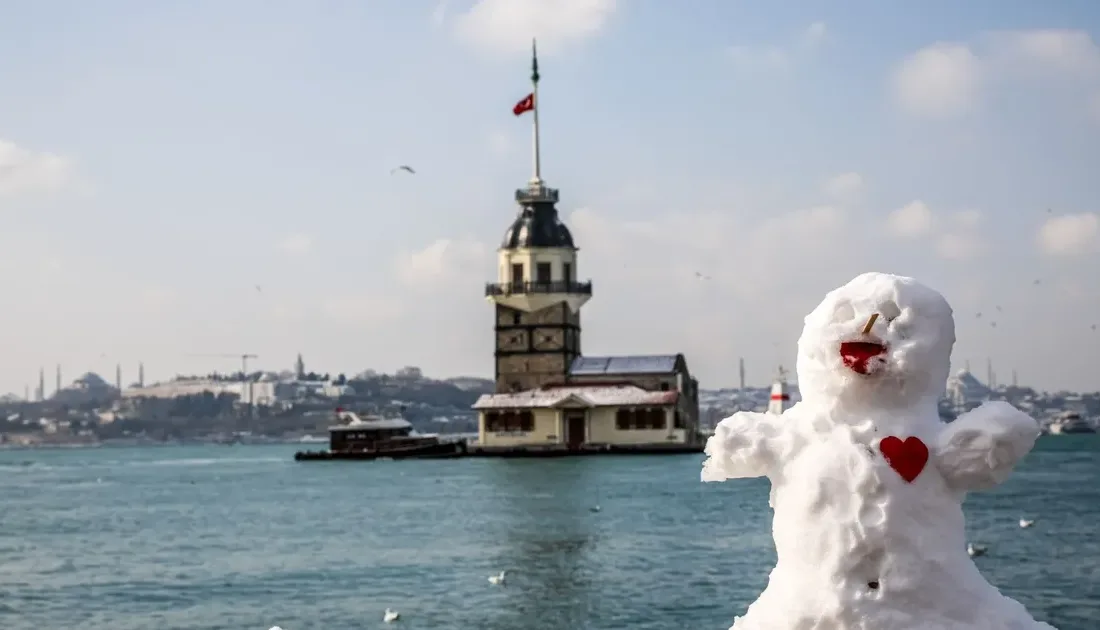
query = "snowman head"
x=879 y=341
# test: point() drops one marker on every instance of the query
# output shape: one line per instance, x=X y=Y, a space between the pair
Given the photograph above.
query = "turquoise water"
x=240 y=537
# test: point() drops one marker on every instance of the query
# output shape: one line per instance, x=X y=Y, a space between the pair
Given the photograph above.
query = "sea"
x=243 y=537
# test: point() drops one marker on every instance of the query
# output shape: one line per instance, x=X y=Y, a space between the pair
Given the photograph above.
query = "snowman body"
x=868 y=482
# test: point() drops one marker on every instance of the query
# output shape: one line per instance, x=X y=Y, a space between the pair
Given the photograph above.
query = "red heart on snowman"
x=907 y=458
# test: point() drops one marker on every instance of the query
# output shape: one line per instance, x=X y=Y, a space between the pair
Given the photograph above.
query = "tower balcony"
x=500 y=289
x=536 y=193
x=535 y=296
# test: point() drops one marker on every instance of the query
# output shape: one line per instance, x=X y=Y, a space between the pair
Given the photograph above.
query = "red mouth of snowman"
x=857 y=355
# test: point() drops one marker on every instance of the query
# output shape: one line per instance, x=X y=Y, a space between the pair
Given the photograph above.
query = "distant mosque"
x=549 y=397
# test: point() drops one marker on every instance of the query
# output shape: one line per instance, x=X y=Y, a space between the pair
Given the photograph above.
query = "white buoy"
x=497 y=579
x=1024 y=523
x=391 y=616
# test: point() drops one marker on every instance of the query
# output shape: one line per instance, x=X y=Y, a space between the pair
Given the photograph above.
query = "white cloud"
x=959 y=245
x=948 y=79
x=844 y=185
x=913 y=220
x=1045 y=52
x=815 y=34
x=955 y=237
x=1070 y=235
x=25 y=171
x=443 y=261
x=967 y=219
x=774 y=58
x=439 y=14
x=296 y=244
x=939 y=81
x=507 y=26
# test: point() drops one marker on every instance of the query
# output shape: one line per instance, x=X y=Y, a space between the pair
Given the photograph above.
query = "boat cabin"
x=365 y=433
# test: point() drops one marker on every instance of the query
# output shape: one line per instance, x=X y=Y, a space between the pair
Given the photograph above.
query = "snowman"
x=867 y=482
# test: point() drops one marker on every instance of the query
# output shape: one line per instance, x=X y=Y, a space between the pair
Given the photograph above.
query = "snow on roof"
x=368 y=423
x=655 y=364
x=581 y=395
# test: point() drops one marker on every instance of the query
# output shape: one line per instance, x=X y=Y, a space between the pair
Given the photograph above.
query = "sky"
x=183 y=180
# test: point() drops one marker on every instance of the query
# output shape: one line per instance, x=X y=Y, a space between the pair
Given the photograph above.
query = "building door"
x=574 y=429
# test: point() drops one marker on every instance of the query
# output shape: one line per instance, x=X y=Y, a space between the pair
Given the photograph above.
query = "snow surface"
x=858 y=546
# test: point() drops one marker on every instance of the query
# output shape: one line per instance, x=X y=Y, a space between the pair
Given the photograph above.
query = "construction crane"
x=244 y=357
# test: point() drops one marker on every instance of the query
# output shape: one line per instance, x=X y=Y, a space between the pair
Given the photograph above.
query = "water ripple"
x=243 y=537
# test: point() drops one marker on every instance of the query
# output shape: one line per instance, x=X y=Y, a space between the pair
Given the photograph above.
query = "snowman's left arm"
x=979 y=449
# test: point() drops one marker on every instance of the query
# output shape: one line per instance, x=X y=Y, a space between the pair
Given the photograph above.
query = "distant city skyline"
x=215 y=178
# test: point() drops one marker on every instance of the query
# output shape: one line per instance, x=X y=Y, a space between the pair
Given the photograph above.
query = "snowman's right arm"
x=745 y=444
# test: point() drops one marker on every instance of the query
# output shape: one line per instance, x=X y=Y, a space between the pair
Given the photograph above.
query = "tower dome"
x=537 y=225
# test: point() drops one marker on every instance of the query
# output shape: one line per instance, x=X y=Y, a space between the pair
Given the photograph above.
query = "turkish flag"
x=525 y=105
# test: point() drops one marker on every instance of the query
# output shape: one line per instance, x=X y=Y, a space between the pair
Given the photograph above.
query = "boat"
x=1070 y=422
x=366 y=437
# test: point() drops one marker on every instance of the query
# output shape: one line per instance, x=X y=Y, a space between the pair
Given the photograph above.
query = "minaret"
x=118 y=376
x=537 y=296
x=57 y=387
x=741 y=370
x=299 y=368
x=141 y=375
x=779 y=397
x=41 y=393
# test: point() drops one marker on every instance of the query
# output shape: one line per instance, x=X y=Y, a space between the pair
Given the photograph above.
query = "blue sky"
x=160 y=160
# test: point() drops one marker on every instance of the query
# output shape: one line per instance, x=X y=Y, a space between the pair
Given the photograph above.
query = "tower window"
x=517 y=273
x=567 y=272
x=542 y=273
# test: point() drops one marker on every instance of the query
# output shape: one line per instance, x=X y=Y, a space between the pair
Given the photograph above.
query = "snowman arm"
x=980 y=448
x=745 y=444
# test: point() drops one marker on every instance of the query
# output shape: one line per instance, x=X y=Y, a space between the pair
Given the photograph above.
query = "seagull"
x=979 y=316
x=594 y=508
x=998 y=309
x=497 y=579
x=391 y=616
x=993 y=324
x=975 y=550
x=259 y=289
x=701 y=276
x=1094 y=326
x=1038 y=282
x=405 y=168
x=1024 y=523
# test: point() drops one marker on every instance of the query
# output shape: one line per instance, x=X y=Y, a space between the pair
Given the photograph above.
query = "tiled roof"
x=588 y=396
x=652 y=364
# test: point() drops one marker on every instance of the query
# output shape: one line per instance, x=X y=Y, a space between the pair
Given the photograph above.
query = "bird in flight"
x=701 y=276
x=405 y=168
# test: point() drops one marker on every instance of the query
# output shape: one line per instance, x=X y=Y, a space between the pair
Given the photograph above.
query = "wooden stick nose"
x=870 y=323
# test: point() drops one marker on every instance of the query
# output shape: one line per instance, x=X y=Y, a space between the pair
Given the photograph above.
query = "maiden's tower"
x=549 y=398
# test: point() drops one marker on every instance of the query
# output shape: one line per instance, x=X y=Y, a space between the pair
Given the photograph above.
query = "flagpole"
x=537 y=179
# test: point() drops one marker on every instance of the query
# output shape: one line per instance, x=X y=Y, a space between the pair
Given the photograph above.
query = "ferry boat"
x=372 y=437
x=1070 y=422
